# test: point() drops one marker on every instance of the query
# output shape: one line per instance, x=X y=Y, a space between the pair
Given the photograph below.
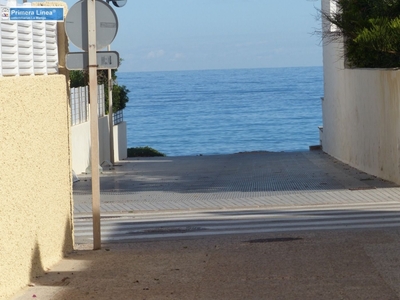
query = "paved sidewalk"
x=333 y=264
x=244 y=180
x=303 y=265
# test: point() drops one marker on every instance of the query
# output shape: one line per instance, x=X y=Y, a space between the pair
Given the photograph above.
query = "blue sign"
x=37 y=13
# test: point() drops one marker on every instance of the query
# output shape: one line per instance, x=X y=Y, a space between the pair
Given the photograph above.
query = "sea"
x=208 y=112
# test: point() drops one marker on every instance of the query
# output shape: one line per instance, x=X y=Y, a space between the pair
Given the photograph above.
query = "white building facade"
x=361 y=113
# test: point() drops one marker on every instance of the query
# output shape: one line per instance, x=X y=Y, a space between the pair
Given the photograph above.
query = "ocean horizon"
x=206 y=112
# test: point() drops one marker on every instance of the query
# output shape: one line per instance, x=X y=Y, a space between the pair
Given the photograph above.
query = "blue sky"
x=166 y=35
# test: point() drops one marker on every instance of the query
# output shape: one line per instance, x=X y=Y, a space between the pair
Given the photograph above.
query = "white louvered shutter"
x=28 y=48
x=25 y=48
x=9 y=48
x=51 y=48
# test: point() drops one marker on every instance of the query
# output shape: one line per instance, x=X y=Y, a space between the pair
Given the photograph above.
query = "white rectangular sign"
x=80 y=60
x=36 y=13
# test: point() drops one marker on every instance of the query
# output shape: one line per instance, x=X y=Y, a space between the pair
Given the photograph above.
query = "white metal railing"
x=28 y=48
x=79 y=98
x=79 y=105
x=118 y=117
x=101 y=105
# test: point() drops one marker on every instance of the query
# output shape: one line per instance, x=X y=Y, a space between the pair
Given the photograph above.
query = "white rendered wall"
x=80 y=145
x=361 y=115
x=80 y=140
x=120 y=142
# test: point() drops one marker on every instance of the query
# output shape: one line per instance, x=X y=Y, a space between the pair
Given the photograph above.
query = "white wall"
x=80 y=140
x=361 y=115
x=120 y=142
x=80 y=147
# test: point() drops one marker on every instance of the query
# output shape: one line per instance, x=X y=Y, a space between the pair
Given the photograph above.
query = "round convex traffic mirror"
x=118 y=3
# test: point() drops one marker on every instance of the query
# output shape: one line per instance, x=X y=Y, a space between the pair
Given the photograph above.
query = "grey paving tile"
x=256 y=200
x=274 y=200
x=355 y=196
x=280 y=179
x=389 y=194
x=314 y=198
x=128 y=206
x=87 y=208
x=124 y=206
x=140 y=206
x=334 y=197
x=119 y=207
x=78 y=209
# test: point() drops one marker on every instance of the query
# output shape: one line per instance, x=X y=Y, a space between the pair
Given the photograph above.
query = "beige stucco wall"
x=35 y=178
x=361 y=115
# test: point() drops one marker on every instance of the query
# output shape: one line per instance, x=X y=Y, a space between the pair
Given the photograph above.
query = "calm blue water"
x=224 y=111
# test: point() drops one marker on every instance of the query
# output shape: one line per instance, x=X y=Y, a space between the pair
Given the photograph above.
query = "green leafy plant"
x=119 y=93
x=370 y=31
x=143 y=152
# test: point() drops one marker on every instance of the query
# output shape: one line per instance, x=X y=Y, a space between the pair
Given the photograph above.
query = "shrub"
x=119 y=92
x=370 y=30
x=143 y=152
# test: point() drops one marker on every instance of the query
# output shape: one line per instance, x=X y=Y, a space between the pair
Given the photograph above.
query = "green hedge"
x=371 y=32
x=119 y=92
x=143 y=152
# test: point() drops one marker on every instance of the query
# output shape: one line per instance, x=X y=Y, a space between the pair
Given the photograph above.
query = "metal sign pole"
x=110 y=113
x=94 y=121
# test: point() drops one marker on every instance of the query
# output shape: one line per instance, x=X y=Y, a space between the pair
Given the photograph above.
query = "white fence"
x=80 y=104
x=28 y=48
x=118 y=117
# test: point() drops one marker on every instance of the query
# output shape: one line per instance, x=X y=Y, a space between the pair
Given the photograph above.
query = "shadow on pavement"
x=236 y=175
x=321 y=265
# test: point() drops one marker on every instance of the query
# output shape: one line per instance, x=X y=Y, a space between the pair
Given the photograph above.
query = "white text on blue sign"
x=33 y=14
